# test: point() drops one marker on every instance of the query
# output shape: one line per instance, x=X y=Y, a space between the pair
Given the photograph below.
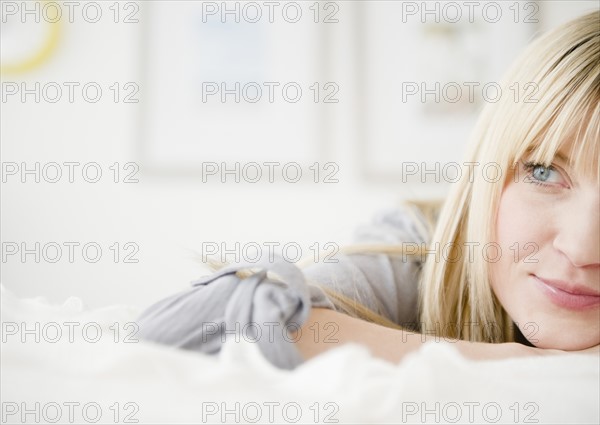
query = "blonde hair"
x=562 y=70
x=564 y=67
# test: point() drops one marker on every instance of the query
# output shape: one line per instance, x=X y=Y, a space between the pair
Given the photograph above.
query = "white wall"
x=165 y=217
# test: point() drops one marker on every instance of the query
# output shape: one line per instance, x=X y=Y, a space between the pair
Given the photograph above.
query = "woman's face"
x=548 y=276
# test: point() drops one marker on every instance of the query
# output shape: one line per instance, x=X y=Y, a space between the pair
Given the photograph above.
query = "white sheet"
x=347 y=384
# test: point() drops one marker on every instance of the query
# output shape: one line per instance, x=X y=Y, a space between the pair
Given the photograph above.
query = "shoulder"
x=385 y=281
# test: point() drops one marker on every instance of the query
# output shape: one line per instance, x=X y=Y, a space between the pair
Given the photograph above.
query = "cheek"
x=521 y=232
x=522 y=229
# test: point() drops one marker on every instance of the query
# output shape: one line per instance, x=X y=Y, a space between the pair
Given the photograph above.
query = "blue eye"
x=541 y=174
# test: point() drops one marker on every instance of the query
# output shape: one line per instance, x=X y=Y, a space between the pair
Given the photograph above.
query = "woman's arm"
x=326 y=329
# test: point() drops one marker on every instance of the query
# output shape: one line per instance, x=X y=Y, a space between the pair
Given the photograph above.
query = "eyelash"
x=531 y=166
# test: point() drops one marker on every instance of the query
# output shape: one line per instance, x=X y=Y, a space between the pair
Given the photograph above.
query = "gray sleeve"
x=387 y=284
x=266 y=307
x=223 y=307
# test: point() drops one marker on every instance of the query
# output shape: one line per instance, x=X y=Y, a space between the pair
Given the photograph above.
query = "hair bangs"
x=573 y=122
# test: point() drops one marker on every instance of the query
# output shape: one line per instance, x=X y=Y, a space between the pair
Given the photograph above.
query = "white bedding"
x=156 y=384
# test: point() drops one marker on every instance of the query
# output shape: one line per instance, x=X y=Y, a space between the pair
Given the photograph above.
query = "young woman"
x=512 y=266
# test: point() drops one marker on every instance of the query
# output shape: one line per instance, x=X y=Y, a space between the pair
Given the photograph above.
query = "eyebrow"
x=562 y=157
x=558 y=155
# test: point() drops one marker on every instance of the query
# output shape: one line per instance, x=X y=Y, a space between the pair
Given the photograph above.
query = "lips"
x=568 y=295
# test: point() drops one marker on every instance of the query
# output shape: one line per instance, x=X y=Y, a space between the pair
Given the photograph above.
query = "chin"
x=567 y=340
x=545 y=325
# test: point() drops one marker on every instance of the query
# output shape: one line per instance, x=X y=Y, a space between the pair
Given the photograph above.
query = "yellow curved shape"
x=39 y=57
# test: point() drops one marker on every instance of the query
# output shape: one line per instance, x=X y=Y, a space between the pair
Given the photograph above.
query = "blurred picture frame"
x=220 y=89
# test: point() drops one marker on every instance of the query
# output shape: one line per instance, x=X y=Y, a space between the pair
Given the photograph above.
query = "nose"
x=579 y=236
